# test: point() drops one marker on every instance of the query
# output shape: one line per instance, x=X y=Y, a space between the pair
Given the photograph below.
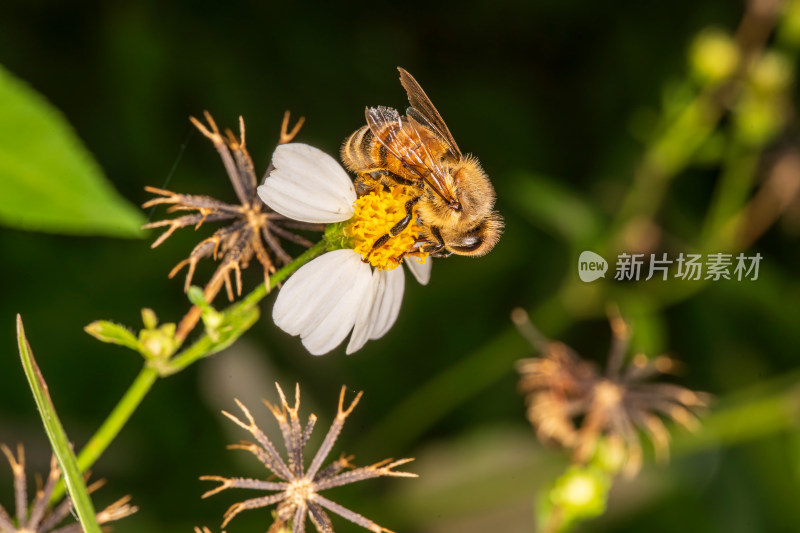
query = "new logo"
x=591 y=266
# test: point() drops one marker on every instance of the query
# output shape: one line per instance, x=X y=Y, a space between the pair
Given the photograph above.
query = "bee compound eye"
x=467 y=244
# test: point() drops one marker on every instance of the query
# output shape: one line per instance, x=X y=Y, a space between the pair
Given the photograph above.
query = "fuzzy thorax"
x=375 y=215
x=469 y=185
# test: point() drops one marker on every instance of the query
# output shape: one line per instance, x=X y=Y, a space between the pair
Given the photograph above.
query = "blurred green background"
x=559 y=100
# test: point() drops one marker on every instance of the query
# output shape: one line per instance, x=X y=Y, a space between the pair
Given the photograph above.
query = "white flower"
x=336 y=292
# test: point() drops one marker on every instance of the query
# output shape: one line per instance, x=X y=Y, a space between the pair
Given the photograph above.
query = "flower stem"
x=664 y=158
x=192 y=316
x=118 y=417
x=133 y=397
x=191 y=354
x=113 y=424
x=278 y=277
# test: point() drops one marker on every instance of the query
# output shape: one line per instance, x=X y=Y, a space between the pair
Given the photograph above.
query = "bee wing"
x=403 y=140
x=424 y=112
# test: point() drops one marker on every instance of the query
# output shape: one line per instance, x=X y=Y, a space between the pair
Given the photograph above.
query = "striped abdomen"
x=361 y=151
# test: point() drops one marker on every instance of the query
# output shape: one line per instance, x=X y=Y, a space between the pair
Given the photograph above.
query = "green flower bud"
x=758 y=120
x=149 y=318
x=713 y=56
x=581 y=492
x=772 y=73
x=157 y=343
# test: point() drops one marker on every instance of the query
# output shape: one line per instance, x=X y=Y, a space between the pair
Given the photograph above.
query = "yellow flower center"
x=375 y=215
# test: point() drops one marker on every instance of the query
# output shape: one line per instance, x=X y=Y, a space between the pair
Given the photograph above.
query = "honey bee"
x=454 y=197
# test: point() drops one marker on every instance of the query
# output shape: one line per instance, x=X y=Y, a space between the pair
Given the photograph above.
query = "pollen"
x=375 y=215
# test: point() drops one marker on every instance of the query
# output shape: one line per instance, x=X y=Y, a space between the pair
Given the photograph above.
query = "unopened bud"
x=158 y=343
x=758 y=119
x=581 y=492
x=149 y=318
x=772 y=73
x=713 y=56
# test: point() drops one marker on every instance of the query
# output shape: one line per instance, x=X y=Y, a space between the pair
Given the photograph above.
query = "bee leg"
x=364 y=184
x=396 y=178
x=362 y=188
x=368 y=179
x=383 y=239
x=403 y=224
x=435 y=248
x=397 y=228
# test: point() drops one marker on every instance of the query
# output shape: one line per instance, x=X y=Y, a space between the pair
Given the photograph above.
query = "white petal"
x=334 y=326
x=312 y=292
x=362 y=328
x=376 y=318
x=308 y=185
x=422 y=272
x=387 y=305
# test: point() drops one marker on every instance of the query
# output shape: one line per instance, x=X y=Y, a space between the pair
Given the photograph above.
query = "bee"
x=453 y=195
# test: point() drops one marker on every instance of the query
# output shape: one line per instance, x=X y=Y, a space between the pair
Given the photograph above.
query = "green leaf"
x=106 y=331
x=58 y=437
x=197 y=297
x=48 y=180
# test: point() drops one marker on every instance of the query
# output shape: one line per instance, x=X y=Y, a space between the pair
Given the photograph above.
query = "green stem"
x=278 y=277
x=440 y=395
x=731 y=194
x=149 y=374
x=117 y=419
x=668 y=155
x=202 y=347
x=113 y=424
x=196 y=351
x=665 y=157
x=760 y=411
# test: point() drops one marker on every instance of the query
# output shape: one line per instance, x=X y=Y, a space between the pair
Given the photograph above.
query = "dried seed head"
x=572 y=404
x=297 y=494
x=252 y=229
x=36 y=516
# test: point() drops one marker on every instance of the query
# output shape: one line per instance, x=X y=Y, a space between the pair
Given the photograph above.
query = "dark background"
x=544 y=88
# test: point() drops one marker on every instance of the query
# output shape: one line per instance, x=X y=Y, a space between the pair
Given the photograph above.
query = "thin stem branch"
x=147 y=377
x=113 y=424
x=665 y=157
x=672 y=151
x=192 y=317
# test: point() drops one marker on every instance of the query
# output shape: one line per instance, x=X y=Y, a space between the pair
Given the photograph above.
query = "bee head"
x=477 y=240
